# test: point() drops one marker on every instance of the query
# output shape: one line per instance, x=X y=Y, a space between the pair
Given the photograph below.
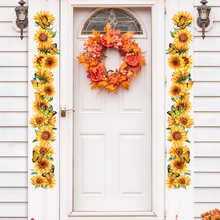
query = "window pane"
x=119 y=20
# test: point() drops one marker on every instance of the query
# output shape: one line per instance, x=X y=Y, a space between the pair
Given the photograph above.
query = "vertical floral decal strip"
x=179 y=120
x=43 y=120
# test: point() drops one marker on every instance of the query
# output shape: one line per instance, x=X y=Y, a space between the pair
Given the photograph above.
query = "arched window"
x=119 y=20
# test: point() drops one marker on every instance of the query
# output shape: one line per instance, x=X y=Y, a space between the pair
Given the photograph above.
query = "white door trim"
x=158 y=106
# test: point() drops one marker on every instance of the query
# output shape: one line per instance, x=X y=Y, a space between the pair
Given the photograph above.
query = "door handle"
x=64 y=110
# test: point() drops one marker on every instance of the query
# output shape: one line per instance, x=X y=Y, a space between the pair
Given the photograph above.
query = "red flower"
x=96 y=76
x=132 y=59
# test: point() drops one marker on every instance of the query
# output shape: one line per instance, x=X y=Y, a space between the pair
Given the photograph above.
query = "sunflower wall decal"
x=43 y=120
x=179 y=120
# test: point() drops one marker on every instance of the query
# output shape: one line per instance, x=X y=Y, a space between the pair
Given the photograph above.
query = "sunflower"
x=41 y=15
x=183 y=36
x=182 y=181
x=185 y=105
x=36 y=105
x=45 y=75
x=177 y=135
x=187 y=59
x=38 y=96
x=178 y=150
x=38 y=59
x=51 y=122
x=44 y=47
x=179 y=75
x=50 y=61
x=38 y=180
x=187 y=17
x=171 y=121
x=176 y=62
x=43 y=36
x=42 y=166
x=51 y=182
x=181 y=48
x=38 y=120
x=48 y=90
x=184 y=120
x=45 y=150
x=170 y=182
x=185 y=96
x=176 y=90
x=45 y=135
x=178 y=166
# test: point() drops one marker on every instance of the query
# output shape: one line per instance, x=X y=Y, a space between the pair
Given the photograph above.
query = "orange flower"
x=132 y=59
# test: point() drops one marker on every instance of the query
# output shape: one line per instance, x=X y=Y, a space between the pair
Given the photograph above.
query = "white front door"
x=107 y=141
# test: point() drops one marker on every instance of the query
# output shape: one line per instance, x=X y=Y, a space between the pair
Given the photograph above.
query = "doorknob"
x=64 y=110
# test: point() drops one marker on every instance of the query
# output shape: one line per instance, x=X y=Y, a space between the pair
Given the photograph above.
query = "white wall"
x=207 y=114
x=13 y=117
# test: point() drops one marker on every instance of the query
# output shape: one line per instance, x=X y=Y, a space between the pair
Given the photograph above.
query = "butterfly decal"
x=54 y=49
x=50 y=173
x=37 y=85
x=47 y=111
x=185 y=157
x=44 y=22
x=176 y=112
x=187 y=85
x=37 y=157
x=182 y=23
x=172 y=174
x=171 y=49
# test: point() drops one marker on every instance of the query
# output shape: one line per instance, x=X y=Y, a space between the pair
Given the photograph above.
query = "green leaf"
x=169 y=140
x=184 y=187
x=53 y=140
x=34 y=141
x=36 y=187
x=54 y=34
x=188 y=141
x=168 y=128
x=172 y=34
x=173 y=99
x=50 y=99
x=54 y=129
x=170 y=159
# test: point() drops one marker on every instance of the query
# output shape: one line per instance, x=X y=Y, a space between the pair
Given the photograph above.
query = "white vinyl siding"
x=13 y=117
x=207 y=115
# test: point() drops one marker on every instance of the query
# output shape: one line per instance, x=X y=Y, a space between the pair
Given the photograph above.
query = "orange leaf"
x=110 y=88
x=142 y=61
x=93 y=85
x=128 y=35
x=126 y=85
x=102 y=84
x=123 y=65
x=107 y=27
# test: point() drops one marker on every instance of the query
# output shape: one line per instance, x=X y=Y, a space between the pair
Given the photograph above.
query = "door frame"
x=158 y=109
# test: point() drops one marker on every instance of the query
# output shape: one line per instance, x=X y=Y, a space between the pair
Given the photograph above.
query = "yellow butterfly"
x=182 y=23
x=37 y=157
x=46 y=111
x=177 y=111
x=49 y=174
x=37 y=84
x=54 y=49
x=185 y=157
x=187 y=85
x=172 y=174
x=171 y=48
x=44 y=22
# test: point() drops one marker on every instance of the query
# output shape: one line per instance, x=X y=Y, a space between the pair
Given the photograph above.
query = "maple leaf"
x=123 y=65
x=81 y=58
x=126 y=85
x=110 y=88
x=128 y=35
x=142 y=61
x=107 y=28
x=93 y=85
x=133 y=75
x=102 y=84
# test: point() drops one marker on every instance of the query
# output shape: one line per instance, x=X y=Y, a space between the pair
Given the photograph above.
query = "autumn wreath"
x=93 y=58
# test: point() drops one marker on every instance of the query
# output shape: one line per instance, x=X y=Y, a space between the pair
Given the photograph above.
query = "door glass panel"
x=118 y=19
